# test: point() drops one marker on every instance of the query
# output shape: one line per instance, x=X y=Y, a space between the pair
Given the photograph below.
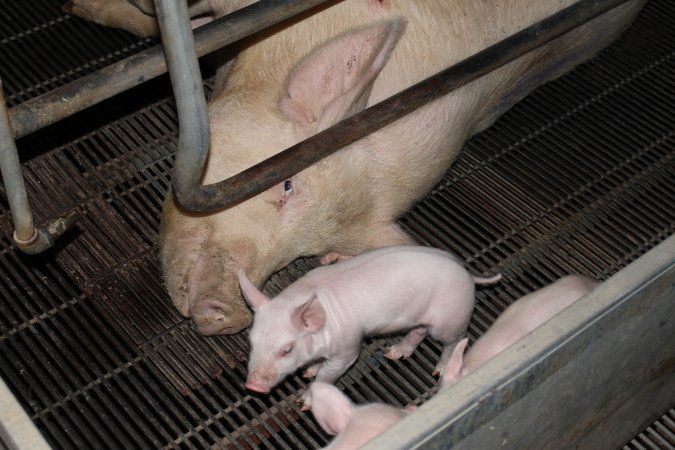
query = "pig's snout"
x=258 y=382
x=212 y=316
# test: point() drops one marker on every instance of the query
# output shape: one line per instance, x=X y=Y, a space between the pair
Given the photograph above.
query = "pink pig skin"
x=353 y=425
x=519 y=319
x=322 y=317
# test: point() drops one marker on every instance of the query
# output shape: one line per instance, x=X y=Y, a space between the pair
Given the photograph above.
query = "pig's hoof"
x=305 y=400
x=396 y=353
x=332 y=257
x=311 y=371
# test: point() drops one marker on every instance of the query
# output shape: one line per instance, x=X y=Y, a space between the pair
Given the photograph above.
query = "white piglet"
x=519 y=319
x=322 y=318
x=354 y=425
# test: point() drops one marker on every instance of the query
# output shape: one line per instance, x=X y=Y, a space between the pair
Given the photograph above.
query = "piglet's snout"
x=259 y=381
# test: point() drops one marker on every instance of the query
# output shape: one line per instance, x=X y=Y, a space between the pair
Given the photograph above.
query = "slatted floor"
x=576 y=178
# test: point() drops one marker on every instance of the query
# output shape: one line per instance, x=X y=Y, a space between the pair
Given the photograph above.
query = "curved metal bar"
x=86 y=91
x=206 y=198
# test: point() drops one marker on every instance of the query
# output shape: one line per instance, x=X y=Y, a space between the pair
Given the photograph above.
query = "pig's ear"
x=331 y=408
x=253 y=296
x=334 y=81
x=452 y=370
x=310 y=316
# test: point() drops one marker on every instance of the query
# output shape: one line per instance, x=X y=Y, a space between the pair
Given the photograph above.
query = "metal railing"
x=182 y=50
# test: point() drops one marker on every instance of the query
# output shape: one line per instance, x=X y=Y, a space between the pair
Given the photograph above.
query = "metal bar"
x=17 y=431
x=77 y=95
x=10 y=167
x=26 y=236
x=189 y=160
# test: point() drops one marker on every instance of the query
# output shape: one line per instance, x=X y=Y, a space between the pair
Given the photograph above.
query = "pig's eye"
x=287 y=350
x=288 y=186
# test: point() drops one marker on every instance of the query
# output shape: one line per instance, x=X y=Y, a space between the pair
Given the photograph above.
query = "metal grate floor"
x=576 y=178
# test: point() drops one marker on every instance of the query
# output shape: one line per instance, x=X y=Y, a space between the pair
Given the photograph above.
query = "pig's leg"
x=330 y=370
x=114 y=13
x=332 y=257
x=408 y=344
x=311 y=371
x=381 y=235
x=445 y=358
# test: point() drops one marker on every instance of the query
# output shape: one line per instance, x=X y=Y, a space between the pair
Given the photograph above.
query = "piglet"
x=353 y=425
x=322 y=317
x=519 y=319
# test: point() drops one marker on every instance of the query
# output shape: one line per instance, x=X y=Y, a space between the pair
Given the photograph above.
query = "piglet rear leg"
x=407 y=345
x=445 y=358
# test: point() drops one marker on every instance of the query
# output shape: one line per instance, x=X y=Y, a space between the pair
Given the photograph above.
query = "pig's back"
x=389 y=266
x=525 y=315
x=394 y=288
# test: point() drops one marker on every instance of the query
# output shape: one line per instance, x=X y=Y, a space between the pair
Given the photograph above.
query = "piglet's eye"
x=286 y=350
x=288 y=186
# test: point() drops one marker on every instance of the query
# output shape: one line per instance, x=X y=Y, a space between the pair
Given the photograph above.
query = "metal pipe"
x=189 y=160
x=10 y=167
x=86 y=91
x=193 y=119
x=26 y=236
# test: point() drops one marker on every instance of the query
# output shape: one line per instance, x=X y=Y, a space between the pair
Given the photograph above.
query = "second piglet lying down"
x=322 y=318
x=519 y=319
x=353 y=425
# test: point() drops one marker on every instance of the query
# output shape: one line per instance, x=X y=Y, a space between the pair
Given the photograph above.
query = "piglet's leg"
x=407 y=345
x=311 y=371
x=445 y=358
x=328 y=372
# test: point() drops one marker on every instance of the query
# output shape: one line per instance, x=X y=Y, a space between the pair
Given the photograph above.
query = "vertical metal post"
x=193 y=120
x=27 y=237
x=10 y=167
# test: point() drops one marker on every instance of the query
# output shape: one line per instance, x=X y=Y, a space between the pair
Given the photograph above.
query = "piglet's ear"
x=310 y=316
x=334 y=81
x=331 y=408
x=253 y=296
x=453 y=369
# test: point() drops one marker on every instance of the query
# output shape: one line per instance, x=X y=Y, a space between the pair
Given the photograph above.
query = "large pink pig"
x=322 y=318
x=306 y=76
x=353 y=425
x=519 y=319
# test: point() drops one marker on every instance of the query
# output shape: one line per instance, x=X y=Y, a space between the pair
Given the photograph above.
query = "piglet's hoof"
x=305 y=400
x=311 y=371
x=395 y=353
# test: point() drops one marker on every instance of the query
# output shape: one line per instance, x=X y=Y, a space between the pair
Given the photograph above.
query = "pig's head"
x=285 y=335
x=355 y=425
x=321 y=209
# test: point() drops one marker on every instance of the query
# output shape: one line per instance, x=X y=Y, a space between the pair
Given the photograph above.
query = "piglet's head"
x=284 y=335
x=353 y=425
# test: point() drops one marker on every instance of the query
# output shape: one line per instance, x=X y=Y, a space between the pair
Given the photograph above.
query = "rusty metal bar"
x=75 y=96
x=206 y=198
